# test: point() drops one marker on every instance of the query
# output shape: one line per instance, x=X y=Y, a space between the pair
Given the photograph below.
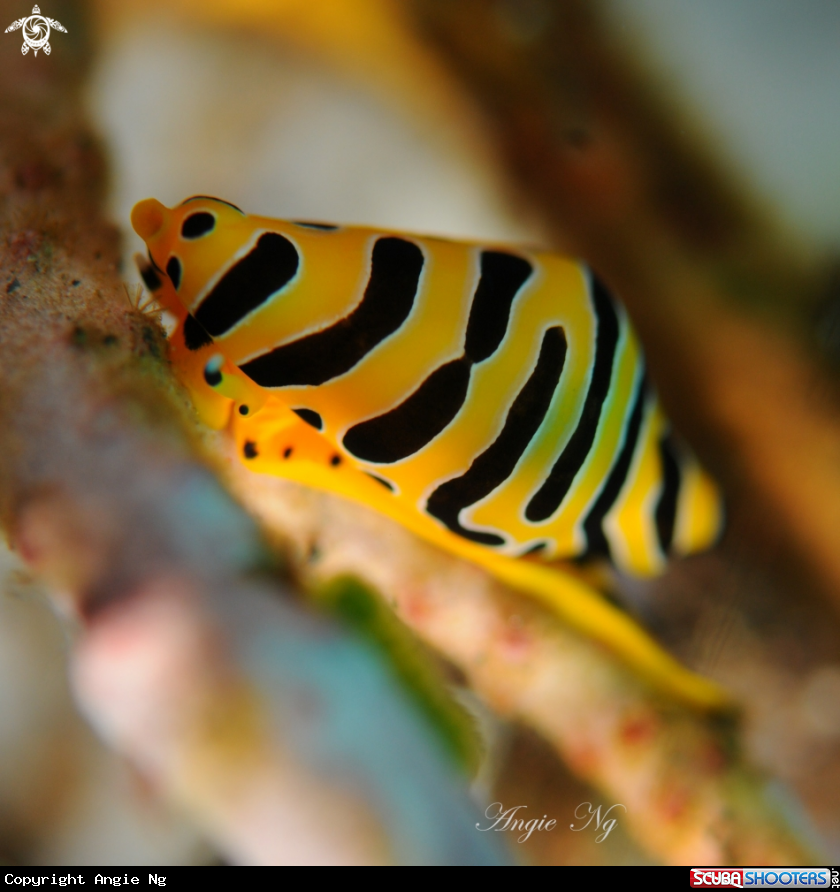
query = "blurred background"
x=388 y=114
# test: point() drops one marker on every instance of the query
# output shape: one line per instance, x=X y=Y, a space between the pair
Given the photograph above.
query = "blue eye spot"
x=213 y=370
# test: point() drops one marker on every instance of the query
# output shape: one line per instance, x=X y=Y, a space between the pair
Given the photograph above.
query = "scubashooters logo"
x=763 y=878
x=36 y=31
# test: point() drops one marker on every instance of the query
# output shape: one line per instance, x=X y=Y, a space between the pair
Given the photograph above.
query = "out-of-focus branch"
x=286 y=739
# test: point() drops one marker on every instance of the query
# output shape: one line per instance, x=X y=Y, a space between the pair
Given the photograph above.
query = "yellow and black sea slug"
x=493 y=400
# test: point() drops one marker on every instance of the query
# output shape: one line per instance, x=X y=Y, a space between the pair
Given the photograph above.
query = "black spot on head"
x=110 y=340
x=325 y=227
x=244 y=410
x=311 y=417
x=197 y=225
x=211 y=198
x=249 y=450
x=195 y=337
x=287 y=452
x=250 y=282
x=75 y=283
x=173 y=270
x=335 y=461
x=12 y=286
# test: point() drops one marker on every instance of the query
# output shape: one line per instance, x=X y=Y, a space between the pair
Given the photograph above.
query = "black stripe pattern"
x=666 y=508
x=502 y=277
x=195 y=337
x=211 y=198
x=311 y=417
x=249 y=283
x=490 y=469
x=411 y=425
x=596 y=540
x=381 y=481
x=416 y=421
x=396 y=265
x=550 y=495
x=322 y=227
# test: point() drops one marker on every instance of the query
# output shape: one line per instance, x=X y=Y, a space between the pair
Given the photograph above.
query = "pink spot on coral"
x=637 y=730
x=516 y=642
x=673 y=804
x=415 y=606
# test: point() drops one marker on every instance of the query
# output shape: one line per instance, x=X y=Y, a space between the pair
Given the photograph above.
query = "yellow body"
x=498 y=372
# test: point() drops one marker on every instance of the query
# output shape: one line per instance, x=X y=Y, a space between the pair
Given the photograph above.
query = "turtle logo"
x=36 y=31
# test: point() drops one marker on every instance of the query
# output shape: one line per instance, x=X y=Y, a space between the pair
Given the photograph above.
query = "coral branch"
x=689 y=794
